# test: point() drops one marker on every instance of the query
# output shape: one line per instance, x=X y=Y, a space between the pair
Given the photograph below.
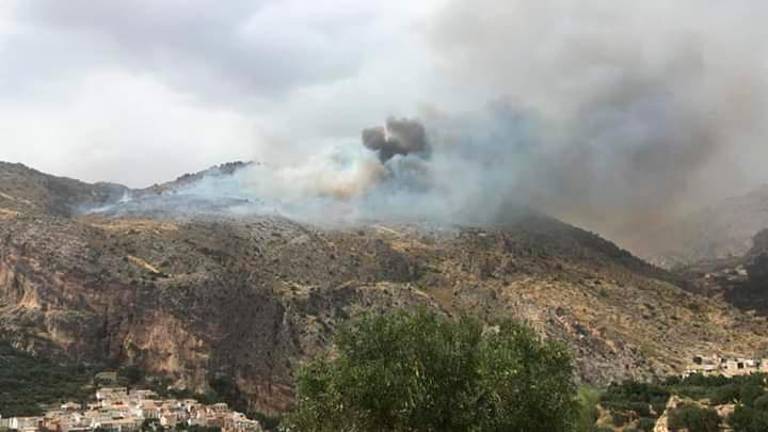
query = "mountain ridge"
x=251 y=297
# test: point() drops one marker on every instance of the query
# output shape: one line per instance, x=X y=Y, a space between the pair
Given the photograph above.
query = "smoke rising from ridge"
x=616 y=115
x=398 y=137
x=645 y=109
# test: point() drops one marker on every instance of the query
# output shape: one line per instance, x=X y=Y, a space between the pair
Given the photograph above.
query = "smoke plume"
x=641 y=110
x=616 y=115
x=398 y=137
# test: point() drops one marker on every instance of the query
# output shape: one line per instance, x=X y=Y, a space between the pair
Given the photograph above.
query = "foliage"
x=749 y=419
x=588 y=398
x=632 y=399
x=646 y=424
x=694 y=418
x=131 y=375
x=720 y=389
x=424 y=372
x=629 y=400
x=27 y=381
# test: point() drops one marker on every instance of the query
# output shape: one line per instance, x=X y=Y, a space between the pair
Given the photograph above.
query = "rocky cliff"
x=250 y=297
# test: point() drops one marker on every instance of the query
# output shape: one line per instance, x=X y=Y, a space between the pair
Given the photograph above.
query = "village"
x=120 y=409
x=726 y=366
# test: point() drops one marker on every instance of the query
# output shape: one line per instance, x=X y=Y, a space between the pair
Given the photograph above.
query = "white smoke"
x=613 y=114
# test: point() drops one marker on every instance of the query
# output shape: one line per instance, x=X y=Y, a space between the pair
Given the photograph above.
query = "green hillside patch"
x=636 y=406
x=28 y=382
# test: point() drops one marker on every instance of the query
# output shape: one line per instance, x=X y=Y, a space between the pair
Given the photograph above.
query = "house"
x=726 y=366
x=71 y=407
x=106 y=378
x=108 y=395
x=119 y=410
x=26 y=424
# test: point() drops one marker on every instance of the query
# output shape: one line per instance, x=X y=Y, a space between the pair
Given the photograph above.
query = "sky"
x=607 y=113
x=140 y=91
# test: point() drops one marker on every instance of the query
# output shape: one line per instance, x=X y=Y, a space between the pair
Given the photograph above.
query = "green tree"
x=588 y=399
x=425 y=372
x=694 y=419
x=748 y=419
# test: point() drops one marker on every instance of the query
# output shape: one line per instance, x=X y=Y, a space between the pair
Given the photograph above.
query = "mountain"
x=757 y=261
x=719 y=231
x=741 y=281
x=27 y=191
x=203 y=296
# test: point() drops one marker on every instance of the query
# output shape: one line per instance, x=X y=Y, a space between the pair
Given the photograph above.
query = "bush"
x=424 y=372
x=629 y=392
x=588 y=399
x=619 y=419
x=761 y=403
x=27 y=382
x=632 y=399
x=694 y=418
x=746 y=419
x=749 y=393
x=646 y=424
x=728 y=393
x=131 y=375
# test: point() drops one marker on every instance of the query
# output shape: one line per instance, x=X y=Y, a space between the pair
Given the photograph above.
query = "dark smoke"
x=644 y=111
x=616 y=115
x=398 y=137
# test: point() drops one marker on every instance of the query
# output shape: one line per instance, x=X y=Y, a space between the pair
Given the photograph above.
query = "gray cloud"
x=613 y=114
x=645 y=109
x=94 y=89
x=229 y=52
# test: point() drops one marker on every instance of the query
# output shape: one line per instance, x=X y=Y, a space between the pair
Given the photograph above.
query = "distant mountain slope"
x=249 y=298
x=741 y=281
x=720 y=231
x=23 y=189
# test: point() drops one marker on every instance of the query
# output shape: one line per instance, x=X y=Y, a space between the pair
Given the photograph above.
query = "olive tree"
x=423 y=371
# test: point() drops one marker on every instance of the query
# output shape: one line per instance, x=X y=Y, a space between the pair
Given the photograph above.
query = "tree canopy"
x=421 y=371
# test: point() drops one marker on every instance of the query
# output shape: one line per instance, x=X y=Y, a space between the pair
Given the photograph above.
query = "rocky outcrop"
x=250 y=298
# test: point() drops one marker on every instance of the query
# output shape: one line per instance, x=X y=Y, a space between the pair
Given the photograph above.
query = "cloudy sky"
x=138 y=91
x=593 y=109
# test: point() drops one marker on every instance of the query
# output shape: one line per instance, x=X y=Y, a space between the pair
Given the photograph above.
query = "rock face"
x=250 y=298
x=757 y=261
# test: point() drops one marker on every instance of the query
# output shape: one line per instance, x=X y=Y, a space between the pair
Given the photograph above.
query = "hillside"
x=247 y=298
x=723 y=230
x=29 y=191
x=741 y=281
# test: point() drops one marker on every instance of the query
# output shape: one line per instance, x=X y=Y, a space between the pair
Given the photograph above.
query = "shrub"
x=761 y=403
x=424 y=372
x=588 y=399
x=27 y=382
x=746 y=419
x=694 y=418
x=750 y=392
x=727 y=393
x=646 y=424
